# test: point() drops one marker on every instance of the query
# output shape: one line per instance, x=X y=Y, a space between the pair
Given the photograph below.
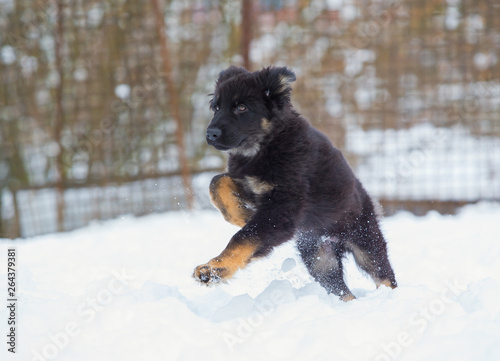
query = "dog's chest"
x=256 y=186
x=248 y=175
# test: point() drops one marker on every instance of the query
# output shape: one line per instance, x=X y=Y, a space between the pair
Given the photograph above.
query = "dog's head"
x=244 y=104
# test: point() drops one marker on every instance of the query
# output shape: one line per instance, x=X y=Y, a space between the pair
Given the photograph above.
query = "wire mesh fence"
x=88 y=130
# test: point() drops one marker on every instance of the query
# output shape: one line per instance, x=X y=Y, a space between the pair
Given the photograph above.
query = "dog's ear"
x=275 y=83
x=231 y=72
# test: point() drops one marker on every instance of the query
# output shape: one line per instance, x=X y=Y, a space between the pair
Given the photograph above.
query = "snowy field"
x=122 y=290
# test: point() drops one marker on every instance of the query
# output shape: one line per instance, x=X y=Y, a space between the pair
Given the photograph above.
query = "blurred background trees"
x=103 y=104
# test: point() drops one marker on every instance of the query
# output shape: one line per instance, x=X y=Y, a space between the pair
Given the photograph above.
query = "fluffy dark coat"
x=286 y=180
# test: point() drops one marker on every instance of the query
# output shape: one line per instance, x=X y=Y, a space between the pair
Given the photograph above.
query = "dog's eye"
x=241 y=108
x=216 y=108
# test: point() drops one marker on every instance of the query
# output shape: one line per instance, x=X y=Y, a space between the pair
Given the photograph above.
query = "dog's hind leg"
x=228 y=196
x=370 y=253
x=323 y=259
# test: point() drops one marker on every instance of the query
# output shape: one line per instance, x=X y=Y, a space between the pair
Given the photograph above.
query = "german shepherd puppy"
x=286 y=180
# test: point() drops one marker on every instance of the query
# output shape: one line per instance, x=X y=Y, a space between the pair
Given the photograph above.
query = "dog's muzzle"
x=213 y=135
x=214 y=138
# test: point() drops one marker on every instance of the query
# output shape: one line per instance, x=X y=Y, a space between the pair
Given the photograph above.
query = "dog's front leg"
x=229 y=198
x=236 y=255
x=267 y=229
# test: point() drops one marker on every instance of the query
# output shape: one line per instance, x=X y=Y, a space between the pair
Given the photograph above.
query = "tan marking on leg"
x=234 y=258
x=347 y=298
x=224 y=196
x=226 y=264
x=326 y=261
x=385 y=283
x=362 y=259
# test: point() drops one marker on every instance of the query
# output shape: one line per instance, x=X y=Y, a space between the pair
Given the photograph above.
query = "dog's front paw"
x=223 y=267
x=208 y=274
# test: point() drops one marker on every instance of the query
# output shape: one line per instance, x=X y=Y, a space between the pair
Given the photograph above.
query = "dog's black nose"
x=213 y=134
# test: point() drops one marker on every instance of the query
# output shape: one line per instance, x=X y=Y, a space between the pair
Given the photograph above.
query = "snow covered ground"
x=122 y=290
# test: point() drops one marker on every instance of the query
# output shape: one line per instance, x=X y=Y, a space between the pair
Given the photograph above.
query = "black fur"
x=292 y=181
